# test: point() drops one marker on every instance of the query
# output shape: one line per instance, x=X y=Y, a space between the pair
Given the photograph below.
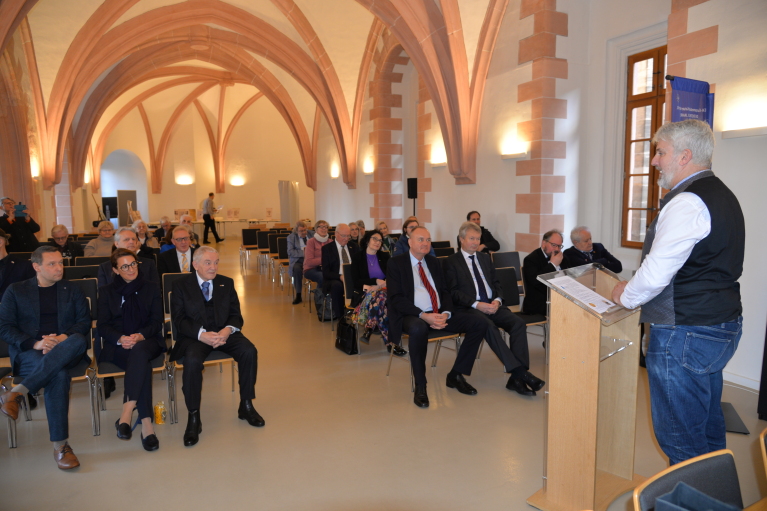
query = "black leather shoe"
x=399 y=351
x=248 y=413
x=518 y=386
x=219 y=240
x=193 y=429
x=206 y=242
x=365 y=337
x=533 y=381
x=297 y=300
x=124 y=431
x=150 y=443
x=109 y=386
x=421 y=398
x=459 y=383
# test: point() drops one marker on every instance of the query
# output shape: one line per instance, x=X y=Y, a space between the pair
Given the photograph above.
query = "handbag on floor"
x=319 y=299
x=346 y=335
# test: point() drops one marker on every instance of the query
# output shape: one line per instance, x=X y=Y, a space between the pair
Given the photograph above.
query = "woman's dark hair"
x=368 y=235
x=169 y=235
x=121 y=252
x=408 y=222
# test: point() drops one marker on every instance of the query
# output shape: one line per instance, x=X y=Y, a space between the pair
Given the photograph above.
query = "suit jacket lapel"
x=408 y=273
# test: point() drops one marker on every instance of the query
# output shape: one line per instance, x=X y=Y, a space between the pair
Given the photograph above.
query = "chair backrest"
x=443 y=251
x=87 y=237
x=282 y=247
x=508 y=280
x=263 y=240
x=4 y=353
x=23 y=255
x=90 y=287
x=81 y=272
x=440 y=244
x=506 y=259
x=91 y=260
x=763 y=445
x=713 y=474
x=168 y=279
x=250 y=236
x=348 y=281
x=273 y=248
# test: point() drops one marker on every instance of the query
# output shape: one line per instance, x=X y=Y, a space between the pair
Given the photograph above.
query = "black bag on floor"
x=346 y=336
x=319 y=299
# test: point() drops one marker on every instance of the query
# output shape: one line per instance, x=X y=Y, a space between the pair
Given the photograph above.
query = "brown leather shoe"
x=11 y=402
x=65 y=457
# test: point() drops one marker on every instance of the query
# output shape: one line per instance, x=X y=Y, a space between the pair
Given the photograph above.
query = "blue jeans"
x=684 y=367
x=52 y=372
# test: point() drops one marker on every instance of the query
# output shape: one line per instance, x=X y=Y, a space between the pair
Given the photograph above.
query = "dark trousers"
x=297 y=272
x=137 y=364
x=51 y=371
x=517 y=353
x=336 y=290
x=418 y=330
x=210 y=224
x=237 y=346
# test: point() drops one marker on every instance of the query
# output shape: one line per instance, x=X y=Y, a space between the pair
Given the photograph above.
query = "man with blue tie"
x=206 y=316
x=585 y=251
x=470 y=277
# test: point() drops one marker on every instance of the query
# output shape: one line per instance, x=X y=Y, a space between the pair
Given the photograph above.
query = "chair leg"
x=11 y=433
x=94 y=397
x=234 y=368
x=27 y=409
x=437 y=349
x=171 y=383
x=479 y=351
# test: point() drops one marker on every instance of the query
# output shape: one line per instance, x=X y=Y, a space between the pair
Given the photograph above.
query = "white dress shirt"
x=345 y=248
x=421 y=297
x=200 y=280
x=681 y=224
x=488 y=289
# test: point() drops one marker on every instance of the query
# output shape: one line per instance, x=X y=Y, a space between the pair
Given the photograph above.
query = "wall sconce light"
x=514 y=149
x=514 y=156
x=237 y=181
x=34 y=167
x=367 y=166
x=438 y=155
x=184 y=179
x=335 y=170
x=87 y=175
x=747 y=132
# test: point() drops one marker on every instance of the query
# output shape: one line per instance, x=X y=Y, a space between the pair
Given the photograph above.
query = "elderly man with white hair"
x=187 y=220
x=585 y=251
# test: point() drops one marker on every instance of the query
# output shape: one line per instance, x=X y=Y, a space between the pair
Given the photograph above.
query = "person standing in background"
x=208 y=212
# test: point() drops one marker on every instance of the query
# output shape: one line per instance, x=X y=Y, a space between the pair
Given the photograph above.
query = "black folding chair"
x=81 y=272
x=90 y=260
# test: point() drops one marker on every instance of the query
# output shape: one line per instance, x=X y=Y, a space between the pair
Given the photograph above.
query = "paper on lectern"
x=583 y=294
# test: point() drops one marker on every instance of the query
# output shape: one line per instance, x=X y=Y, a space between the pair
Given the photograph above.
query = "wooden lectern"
x=593 y=365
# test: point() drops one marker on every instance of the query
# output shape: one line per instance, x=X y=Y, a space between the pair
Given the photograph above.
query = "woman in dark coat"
x=130 y=324
x=369 y=276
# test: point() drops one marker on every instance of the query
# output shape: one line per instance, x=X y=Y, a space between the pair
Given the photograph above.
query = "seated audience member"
x=21 y=230
x=474 y=288
x=179 y=258
x=147 y=242
x=206 y=317
x=313 y=253
x=130 y=323
x=159 y=234
x=488 y=244
x=369 y=300
x=12 y=268
x=419 y=301
x=355 y=239
x=361 y=235
x=584 y=251
x=187 y=220
x=125 y=237
x=334 y=256
x=167 y=243
x=69 y=249
x=548 y=259
x=48 y=304
x=388 y=241
x=403 y=243
x=297 y=241
x=101 y=246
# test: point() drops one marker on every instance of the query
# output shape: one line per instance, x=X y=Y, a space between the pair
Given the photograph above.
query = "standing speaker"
x=412 y=188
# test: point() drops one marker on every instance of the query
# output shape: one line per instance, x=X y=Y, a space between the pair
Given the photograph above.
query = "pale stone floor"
x=339 y=434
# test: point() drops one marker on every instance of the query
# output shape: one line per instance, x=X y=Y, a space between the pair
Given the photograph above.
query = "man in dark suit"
x=163 y=230
x=419 y=301
x=68 y=248
x=206 y=317
x=126 y=237
x=584 y=251
x=179 y=258
x=549 y=258
x=334 y=256
x=45 y=320
x=12 y=268
x=21 y=228
x=487 y=243
x=475 y=289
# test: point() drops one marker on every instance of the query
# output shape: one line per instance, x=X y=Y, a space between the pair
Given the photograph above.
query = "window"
x=645 y=113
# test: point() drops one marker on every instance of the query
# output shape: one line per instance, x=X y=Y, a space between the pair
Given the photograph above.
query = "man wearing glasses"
x=179 y=258
x=68 y=249
x=21 y=229
x=334 y=256
x=548 y=259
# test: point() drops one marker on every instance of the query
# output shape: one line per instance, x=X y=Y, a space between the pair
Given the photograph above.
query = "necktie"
x=429 y=289
x=206 y=290
x=480 y=285
x=344 y=257
x=588 y=255
x=184 y=264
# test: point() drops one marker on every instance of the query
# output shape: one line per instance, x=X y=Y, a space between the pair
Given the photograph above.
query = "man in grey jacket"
x=296 y=246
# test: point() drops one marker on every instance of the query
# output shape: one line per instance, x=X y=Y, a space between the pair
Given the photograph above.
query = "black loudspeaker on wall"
x=412 y=188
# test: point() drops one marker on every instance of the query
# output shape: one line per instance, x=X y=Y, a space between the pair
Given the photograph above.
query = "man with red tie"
x=419 y=302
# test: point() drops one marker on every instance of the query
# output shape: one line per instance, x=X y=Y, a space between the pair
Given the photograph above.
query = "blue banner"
x=690 y=99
